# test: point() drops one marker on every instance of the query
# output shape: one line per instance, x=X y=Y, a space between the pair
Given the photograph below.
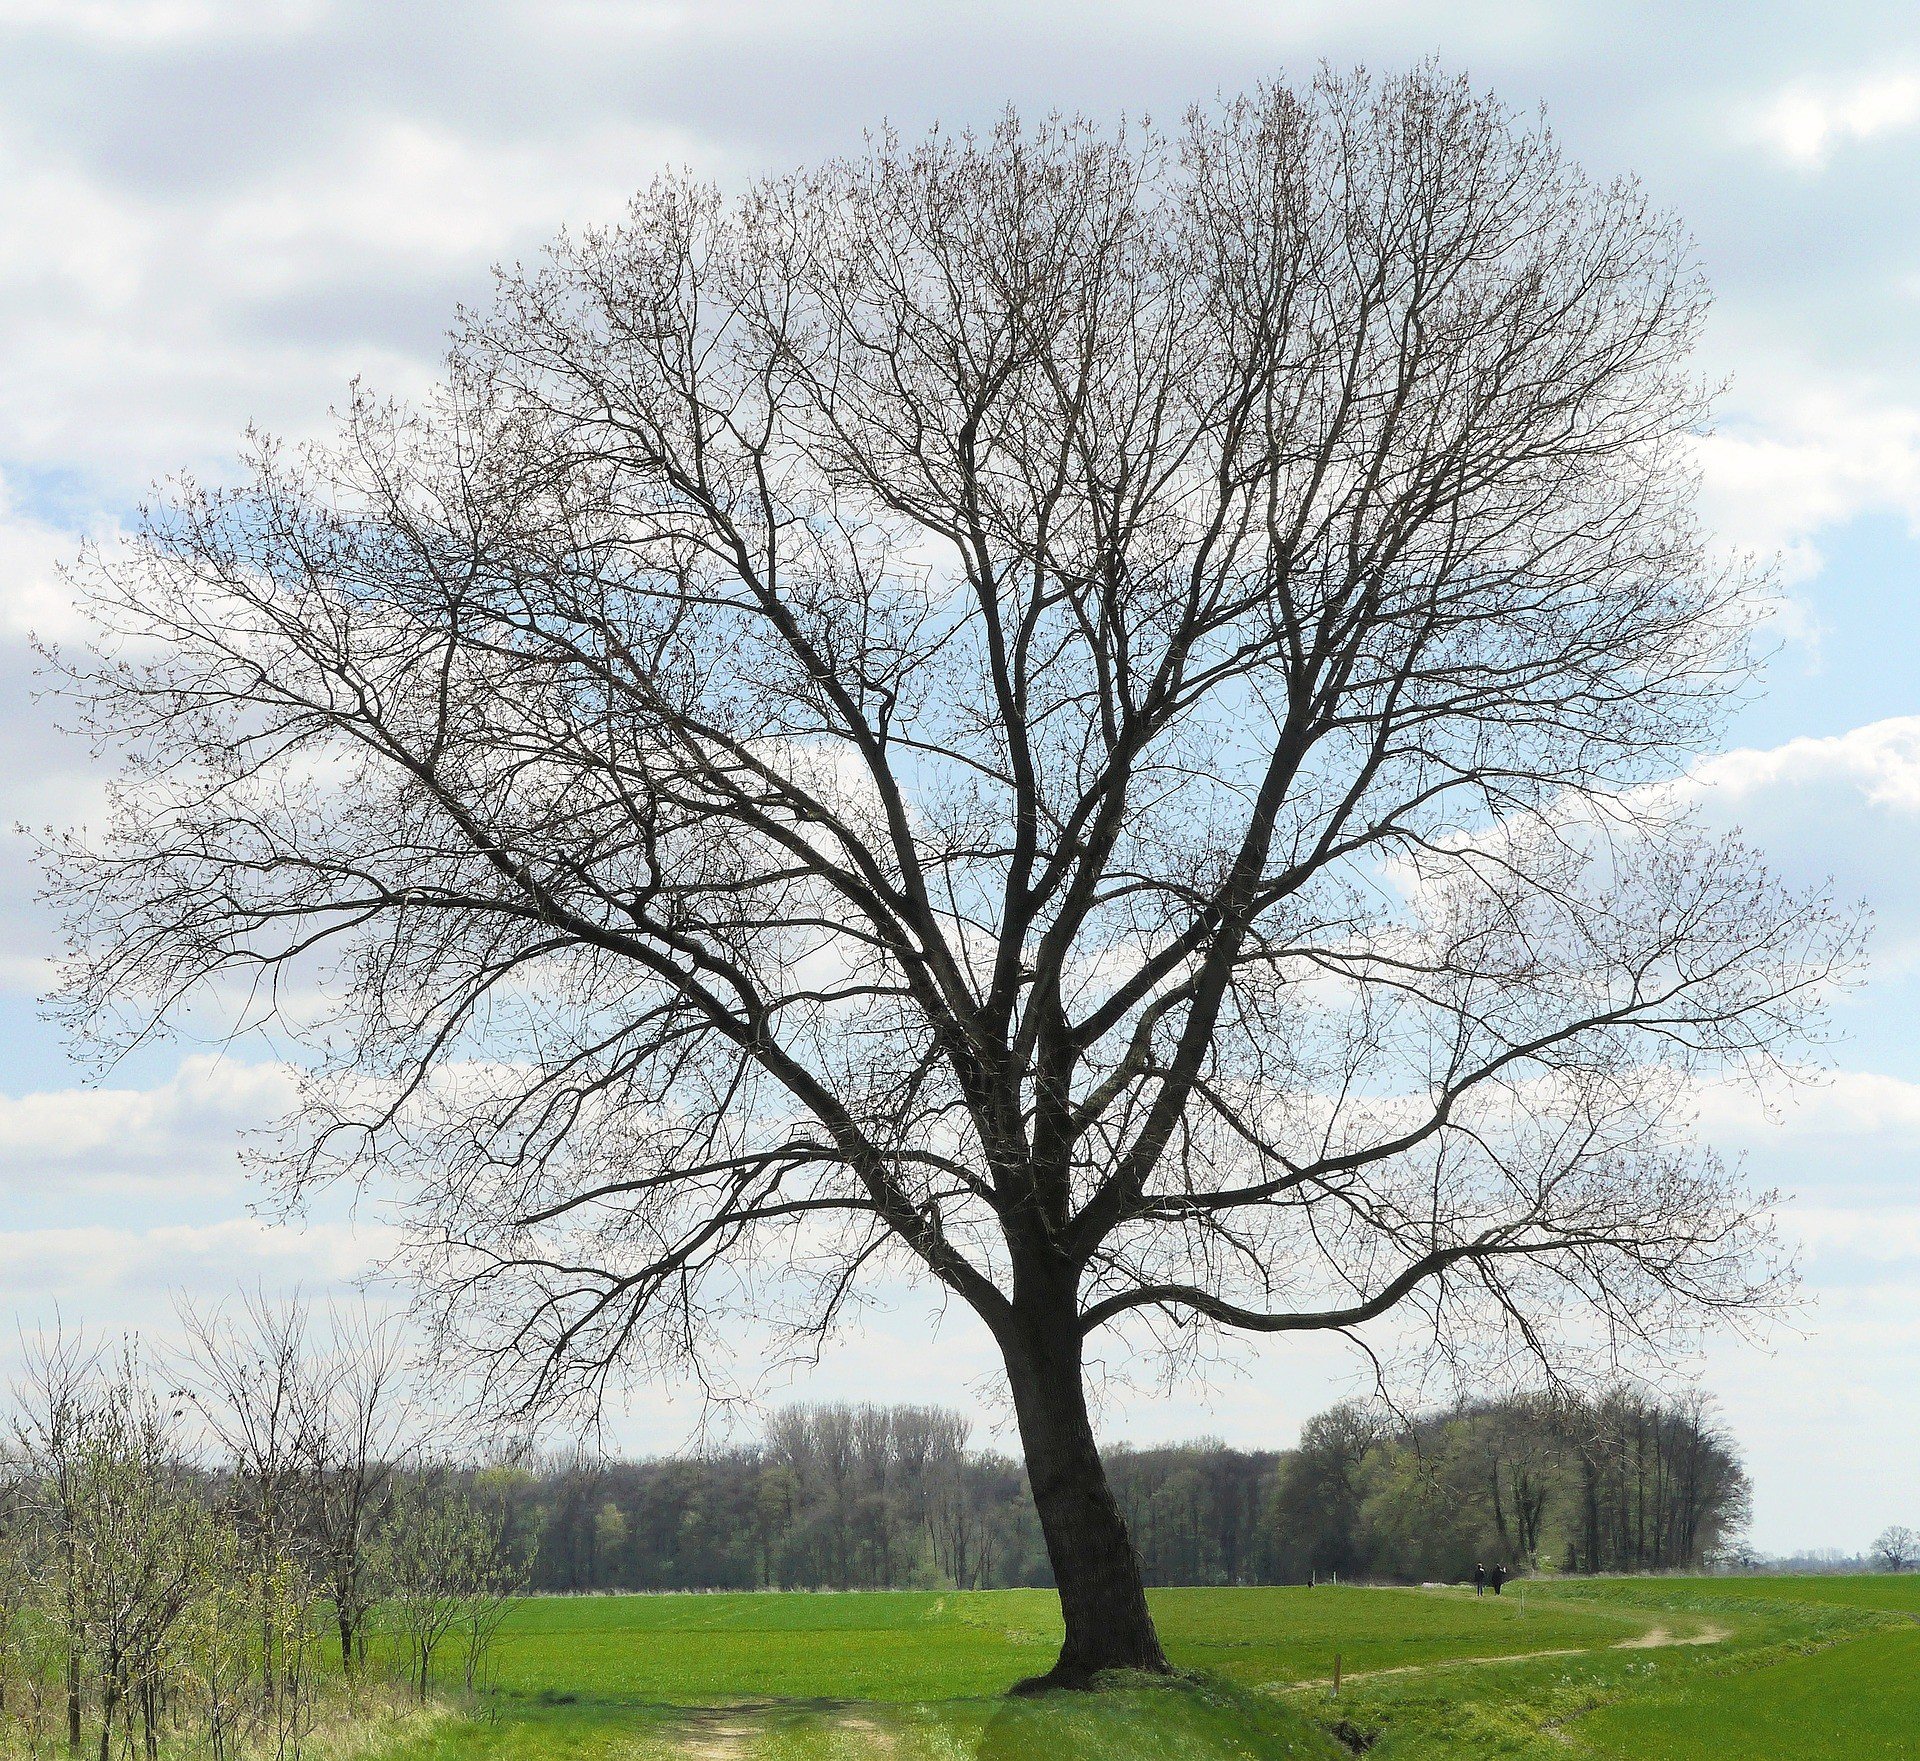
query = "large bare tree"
x=1086 y=714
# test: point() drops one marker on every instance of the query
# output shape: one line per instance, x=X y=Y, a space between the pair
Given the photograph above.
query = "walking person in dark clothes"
x=1499 y=1578
x=1479 y=1580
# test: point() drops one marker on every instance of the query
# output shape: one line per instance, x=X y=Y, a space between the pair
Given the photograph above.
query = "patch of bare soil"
x=729 y=1733
x=1655 y=1637
x=876 y=1738
x=1651 y=1640
x=1367 y=1675
x=716 y=1736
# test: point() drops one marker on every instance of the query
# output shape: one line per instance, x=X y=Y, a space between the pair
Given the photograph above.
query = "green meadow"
x=1760 y=1669
x=899 y=1646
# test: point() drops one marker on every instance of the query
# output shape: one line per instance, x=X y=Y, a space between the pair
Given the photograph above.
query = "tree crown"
x=1081 y=711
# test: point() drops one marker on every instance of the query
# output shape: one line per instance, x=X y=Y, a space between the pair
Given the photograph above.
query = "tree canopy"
x=1087 y=713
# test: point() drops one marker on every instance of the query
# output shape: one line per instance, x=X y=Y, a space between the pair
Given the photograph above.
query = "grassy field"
x=1860 y=1701
x=1762 y=1669
x=908 y=1646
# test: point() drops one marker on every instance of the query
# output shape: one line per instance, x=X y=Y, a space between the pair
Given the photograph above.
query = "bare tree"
x=53 y=1402
x=1084 y=713
x=361 y=1426
x=141 y=1544
x=19 y=1560
x=492 y=1575
x=445 y=1567
x=250 y=1374
x=313 y=1413
x=1896 y=1548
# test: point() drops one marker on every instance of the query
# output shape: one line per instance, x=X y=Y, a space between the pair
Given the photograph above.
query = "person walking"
x=1479 y=1580
x=1499 y=1578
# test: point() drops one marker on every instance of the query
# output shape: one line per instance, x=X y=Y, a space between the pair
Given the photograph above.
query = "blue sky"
x=216 y=212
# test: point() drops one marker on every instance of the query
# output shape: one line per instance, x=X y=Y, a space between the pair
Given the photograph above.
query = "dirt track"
x=1654 y=1638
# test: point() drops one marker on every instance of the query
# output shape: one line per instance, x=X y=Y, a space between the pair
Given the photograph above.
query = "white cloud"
x=143 y=326
x=1804 y=123
x=1843 y=809
x=119 y=1200
x=1875 y=1235
x=34 y=601
x=47 y=779
x=412 y=197
x=91 y=1261
x=1879 y=764
x=153 y=22
x=1824 y=1105
x=190 y=1123
x=1806 y=457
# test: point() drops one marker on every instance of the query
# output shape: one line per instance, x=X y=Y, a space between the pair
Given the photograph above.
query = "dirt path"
x=731 y=1733
x=716 y=1736
x=1653 y=1639
x=879 y=1739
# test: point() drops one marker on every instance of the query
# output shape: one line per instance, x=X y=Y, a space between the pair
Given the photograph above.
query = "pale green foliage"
x=174 y=1546
x=141 y=1611
x=446 y=1569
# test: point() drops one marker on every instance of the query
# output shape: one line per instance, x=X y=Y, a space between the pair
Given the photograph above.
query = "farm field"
x=1859 y=1700
x=696 y=1650
x=1770 y=1669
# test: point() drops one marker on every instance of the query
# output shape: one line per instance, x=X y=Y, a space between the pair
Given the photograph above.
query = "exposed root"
x=1077 y=1678
x=1055 y=1681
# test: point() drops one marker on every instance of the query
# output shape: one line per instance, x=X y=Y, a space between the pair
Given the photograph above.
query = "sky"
x=217 y=213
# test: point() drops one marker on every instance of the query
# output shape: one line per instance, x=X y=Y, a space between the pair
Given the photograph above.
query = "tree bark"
x=1095 y=1567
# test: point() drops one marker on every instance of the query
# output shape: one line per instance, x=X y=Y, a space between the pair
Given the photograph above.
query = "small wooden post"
x=1336 y=1675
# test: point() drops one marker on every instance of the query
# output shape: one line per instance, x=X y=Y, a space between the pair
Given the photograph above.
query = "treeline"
x=201 y=1553
x=868 y=1497
x=832 y=1497
x=1620 y=1484
x=205 y=1553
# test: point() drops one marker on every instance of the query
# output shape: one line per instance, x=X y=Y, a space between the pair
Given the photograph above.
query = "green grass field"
x=912 y=1646
x=1761 y=1669
x=1860 y=1701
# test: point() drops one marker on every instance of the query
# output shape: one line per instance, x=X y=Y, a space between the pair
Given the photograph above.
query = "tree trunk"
x=1102 y=1598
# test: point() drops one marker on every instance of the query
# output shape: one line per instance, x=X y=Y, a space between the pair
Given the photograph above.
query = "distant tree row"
x=833 y=1497
x=869 y=1497
x=1618 y=1484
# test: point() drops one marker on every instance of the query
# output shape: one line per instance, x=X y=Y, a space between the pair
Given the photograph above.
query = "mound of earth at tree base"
x=1127 y=1717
